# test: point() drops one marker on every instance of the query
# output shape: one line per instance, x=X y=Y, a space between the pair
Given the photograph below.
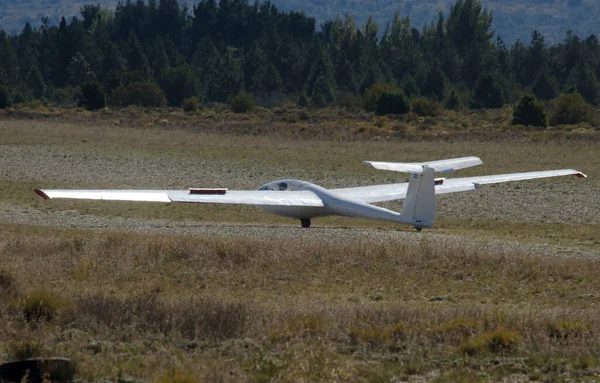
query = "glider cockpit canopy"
x=285 y=185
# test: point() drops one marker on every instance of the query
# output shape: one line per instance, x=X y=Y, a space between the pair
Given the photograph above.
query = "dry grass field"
x=505 y=286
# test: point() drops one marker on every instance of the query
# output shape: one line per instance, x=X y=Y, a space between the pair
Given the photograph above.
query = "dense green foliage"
x=529 y=112
x=139 y=94
x=4 y=98
x=91 y=96
x=424 y=106
x=372 y=94
x=242 y=103
x=569 y=109
x=392 y=103
x=191 y=104
x=151 y=54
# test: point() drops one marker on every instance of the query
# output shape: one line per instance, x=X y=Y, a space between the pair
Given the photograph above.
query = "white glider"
x=304 y=200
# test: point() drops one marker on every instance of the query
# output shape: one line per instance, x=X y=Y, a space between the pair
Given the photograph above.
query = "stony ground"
x=563 y=200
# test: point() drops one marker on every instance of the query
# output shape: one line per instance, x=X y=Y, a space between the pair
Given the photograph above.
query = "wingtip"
x=370 y=163
x=41 y=193
x=580 y=175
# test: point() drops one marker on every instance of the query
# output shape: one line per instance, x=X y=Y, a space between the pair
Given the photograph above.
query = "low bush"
x=381 y=122
x=290 y=117
x=42 y=305
x=564 y=330
x=375 y=336
x=242 y=103
x=178 y=377
x=453 y=101
x=4 y=98
x=139 y=93
x=178 y=84
x=569 y=109
x=67 y=96
x=529 y=112
x=392 y=103
x=424 y=106
x=23 y=350
x=371 y=95
x=303 y=115
x=303 y=100
x=91 y=96
x=348 y=100
x=191 y=104
x=8 y=285
x=499 y=341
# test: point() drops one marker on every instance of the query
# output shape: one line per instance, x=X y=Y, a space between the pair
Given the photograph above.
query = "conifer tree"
x=79 y=71
x=529 y=112
x=488 y=93
x=544 y=88
x=35 y=83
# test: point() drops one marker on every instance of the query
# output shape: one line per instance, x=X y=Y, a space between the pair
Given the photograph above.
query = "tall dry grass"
x=280 y=310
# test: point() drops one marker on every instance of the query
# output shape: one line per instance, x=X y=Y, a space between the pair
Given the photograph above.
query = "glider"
x=304 y=200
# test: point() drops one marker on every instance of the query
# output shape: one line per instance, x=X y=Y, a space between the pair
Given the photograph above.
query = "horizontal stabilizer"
x=441 y=166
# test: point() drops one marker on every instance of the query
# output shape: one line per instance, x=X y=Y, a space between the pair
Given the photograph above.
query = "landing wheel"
x=305 y=222
x=418 y=228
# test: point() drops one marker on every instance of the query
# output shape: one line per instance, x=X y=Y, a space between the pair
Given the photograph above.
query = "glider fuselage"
x=295 y=211
x=333 y=204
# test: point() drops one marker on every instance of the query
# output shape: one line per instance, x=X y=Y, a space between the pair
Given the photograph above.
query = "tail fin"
x=419 y=205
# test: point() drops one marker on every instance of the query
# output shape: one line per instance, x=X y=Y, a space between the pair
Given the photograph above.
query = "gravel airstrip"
x=568 y=200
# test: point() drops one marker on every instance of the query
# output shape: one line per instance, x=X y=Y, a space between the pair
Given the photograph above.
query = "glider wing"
x=244 y=197
x=392 y=192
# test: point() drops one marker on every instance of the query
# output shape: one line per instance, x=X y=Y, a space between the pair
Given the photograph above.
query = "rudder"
x=419 y=205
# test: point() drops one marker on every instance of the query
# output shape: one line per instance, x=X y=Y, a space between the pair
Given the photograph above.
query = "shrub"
x=499 y=341
x=374 y=337
x=453 y=101
x=8 y=285
x=392 y=103
x=424 y=106
x=529 y=112
x=42 y=305
x=290 y=117
x=348 y=100
x=191 y=104
x=140 y=94
x=4 y=98
x=303 y=115
x=91 y=96
x=569 y=109
x=24 y=350
x=372 y=94
x=566 y=329
x=381 y=122
x=303 y=100
x=66 y=96
x=178 y=377
x=323 y=91
x=242 y=103
x=178 y=84
x=458 y=328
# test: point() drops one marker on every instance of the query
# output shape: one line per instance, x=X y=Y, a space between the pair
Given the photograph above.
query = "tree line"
x=162 y=52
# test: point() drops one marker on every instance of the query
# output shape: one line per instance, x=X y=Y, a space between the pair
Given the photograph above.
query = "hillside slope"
x=513 y=19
